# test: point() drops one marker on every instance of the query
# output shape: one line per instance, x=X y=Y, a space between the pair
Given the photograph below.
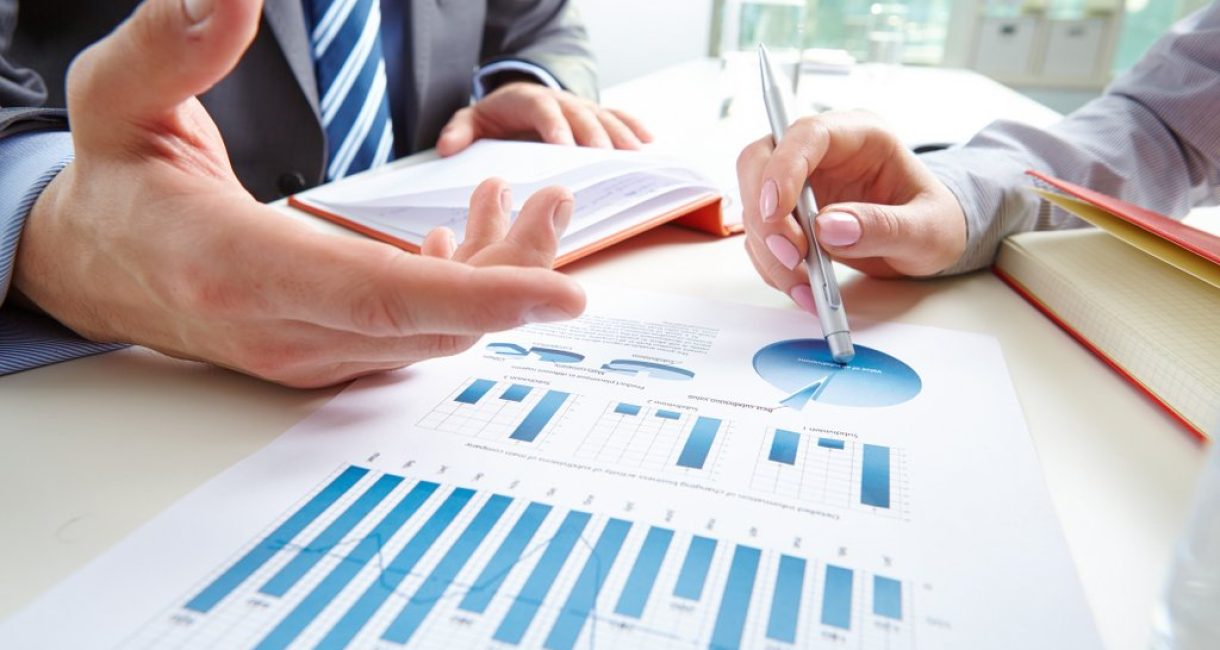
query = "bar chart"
x=380 y=560
x=499 y=410
x=826 y=468
x=655 y=437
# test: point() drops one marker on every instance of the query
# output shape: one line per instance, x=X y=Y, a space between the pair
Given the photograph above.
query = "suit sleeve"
x=546 y=33
x=34 y=147
x=1151 y=139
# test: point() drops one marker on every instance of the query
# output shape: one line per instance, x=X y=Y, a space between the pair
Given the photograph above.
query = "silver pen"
x=826 y=298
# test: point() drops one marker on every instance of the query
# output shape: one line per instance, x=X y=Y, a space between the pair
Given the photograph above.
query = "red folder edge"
x=1196 y=241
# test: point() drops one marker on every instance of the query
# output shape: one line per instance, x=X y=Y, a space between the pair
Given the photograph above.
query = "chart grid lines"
x=438 y=566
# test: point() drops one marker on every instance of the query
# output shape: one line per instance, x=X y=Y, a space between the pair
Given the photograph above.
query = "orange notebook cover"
x=619 y=194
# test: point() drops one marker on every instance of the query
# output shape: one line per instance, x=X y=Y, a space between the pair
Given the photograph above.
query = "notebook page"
x=1152 y=320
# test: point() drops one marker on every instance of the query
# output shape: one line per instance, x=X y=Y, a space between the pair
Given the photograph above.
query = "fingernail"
x=784 y=251
x=768 y=200
x=802 y=294
x=506 y=201
x=562 y=216
x=545 y=314
x=838 y=228
x=197 y=11
x=450 y=244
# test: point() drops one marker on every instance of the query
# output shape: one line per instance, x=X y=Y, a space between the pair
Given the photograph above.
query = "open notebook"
x=618 y=194
x=1146 y=304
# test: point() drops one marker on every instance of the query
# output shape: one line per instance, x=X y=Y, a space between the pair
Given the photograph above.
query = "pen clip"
x=830 y=289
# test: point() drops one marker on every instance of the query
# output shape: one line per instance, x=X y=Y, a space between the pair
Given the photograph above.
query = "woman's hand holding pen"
x=882 y=211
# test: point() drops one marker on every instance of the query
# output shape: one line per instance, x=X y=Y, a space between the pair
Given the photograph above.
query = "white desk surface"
x=96 y=447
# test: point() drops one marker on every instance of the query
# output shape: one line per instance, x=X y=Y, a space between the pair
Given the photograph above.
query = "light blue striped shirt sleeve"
x=1152 y=139
x=541 y=74
x=28 y=162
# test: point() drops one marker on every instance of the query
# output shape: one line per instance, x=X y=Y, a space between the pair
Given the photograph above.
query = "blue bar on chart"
x=786 y=602
x=875 y=477
x=643 y=576
x=505 y=558
x=328 y=539
x=358 y=615
x=699 y=443
x=836 y=597
x=830 y=443
x=539 y=416
x=256 y=557
x=475 y=391
x=583 y=597
x=329 y=588
x=783 y=447
x=441 y=578
x=516 y=392
x=887 y=597
x=735 y=603
x=624 y=408
x=694 y=568
x=668 y=415
x=533 y=593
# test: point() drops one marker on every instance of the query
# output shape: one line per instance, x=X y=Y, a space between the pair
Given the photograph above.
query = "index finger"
x=850 y=142
x=768 y=235
x=791 y=164
x=276 y=267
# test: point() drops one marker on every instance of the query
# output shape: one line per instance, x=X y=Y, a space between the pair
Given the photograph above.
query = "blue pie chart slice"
x=543 y=354
x=508 y=349
x=557 y=356
x=654 y=370
x=806 y=372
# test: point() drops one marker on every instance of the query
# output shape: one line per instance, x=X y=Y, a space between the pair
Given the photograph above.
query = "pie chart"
x=806 y=372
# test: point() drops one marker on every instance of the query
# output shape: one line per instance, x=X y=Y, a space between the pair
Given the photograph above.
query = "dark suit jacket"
x=267 y=108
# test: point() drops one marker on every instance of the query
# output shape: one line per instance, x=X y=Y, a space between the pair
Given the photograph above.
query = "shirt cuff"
x=28 y=163
x=484 y=74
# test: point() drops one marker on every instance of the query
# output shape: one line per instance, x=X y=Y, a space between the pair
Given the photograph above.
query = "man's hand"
x=881 y=210
x=556 y=116
x=149 y=238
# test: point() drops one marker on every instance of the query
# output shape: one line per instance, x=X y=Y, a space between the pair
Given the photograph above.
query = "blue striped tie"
x=346 y=43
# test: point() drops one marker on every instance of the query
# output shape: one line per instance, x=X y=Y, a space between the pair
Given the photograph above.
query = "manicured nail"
x=768 y=200
x=506 y=201
x=562 y=216
x=546 y=314
x=784 y=251
x=838 y=228
x=803 y=295
x=197 y=11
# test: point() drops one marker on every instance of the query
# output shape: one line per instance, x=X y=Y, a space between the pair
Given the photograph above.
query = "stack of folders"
x=1142 y=291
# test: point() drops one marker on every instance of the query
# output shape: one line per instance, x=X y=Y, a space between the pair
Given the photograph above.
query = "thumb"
x=458 y=134
x=912 y=238
x=167 y=52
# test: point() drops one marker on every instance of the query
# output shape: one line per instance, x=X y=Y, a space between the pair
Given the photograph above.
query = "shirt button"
x=291 y=183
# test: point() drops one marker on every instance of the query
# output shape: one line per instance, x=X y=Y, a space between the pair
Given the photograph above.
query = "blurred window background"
x=1060 y=52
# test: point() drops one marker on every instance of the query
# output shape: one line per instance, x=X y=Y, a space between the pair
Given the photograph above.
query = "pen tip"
x=841 y=349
